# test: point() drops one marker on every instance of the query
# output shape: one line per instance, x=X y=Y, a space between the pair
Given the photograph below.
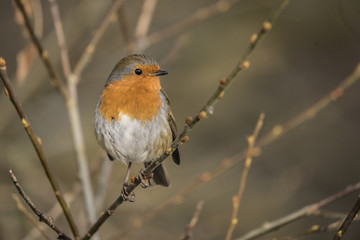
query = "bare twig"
x=60 y=37
x=143 y=23
x=313 y=230
x=191 y=122
x=42 y=217
x=44 y=55
x=102 y=182
x=180 y=43
x=303 y=212
x=199 y=16
x=348 y=220
x=37 y=145
x=189 y=228
x=28 y=214
x=89 y=50
x=74 y=115
x=125 y=32
x=252 y=151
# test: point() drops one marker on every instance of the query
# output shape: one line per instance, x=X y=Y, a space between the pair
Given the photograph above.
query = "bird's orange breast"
x=136 y=97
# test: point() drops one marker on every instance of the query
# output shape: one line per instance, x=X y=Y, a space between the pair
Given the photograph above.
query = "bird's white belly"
x=133 y=140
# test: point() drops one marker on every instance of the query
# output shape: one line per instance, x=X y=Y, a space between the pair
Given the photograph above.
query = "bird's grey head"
x=126 y=66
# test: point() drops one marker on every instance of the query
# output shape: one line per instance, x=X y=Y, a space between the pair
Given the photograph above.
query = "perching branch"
x=42 y=217
x=252 y=151
x=348 y=220
x=189 y=228
x=190 y=123
x=303 y=212
x=36 y=141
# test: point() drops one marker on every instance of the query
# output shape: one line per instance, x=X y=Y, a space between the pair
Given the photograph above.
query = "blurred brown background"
x=312 y=47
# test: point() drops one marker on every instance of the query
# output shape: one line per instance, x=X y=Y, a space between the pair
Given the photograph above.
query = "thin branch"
x=44 y=55
x=199 y=16
x=303 y=212
x=143 y=23
x=90 y=49
x=74 y=115
x=125 y=32
x=227 y=163
x=42 y=217
x=252 y=151
x=36 y=141
x=315 y=229
x=327 y=214
x=348 y=220
x=190 y=123
x=180 y=43
x=28 y=214
x=60 y=38
x=102 y=182
x=189 y=228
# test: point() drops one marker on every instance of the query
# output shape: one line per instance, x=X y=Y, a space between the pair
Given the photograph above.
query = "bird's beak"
x=159 y=73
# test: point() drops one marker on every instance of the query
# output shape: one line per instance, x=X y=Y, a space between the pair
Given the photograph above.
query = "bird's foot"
x=130 y=197
x=144 y=179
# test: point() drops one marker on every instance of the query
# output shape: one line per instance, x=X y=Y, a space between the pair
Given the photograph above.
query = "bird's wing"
x=172 y=123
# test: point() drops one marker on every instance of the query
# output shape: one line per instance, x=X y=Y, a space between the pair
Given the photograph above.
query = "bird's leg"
x=124 y=193
x=145 y=179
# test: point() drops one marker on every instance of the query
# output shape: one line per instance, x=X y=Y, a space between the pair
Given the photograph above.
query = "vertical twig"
x=143 y=23
x=125 y=32
x=60 y=38
x=42 y=217
x=37 y=145
x=252 y=151
x=103 y=179
x=74 y=115
x=189 y=228
x=348 y=220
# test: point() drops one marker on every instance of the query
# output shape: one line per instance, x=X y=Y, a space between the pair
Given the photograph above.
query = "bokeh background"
x=312 y=47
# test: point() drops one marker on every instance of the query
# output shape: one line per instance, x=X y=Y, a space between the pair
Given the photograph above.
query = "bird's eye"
x=138 y=71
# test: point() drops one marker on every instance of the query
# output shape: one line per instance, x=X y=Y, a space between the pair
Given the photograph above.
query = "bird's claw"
x=144 y=179
x=130 y=197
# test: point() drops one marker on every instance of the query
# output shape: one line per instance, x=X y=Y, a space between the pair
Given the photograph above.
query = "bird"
x=133 y=120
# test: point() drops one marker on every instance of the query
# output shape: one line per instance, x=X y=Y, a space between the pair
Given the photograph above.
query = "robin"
x=133 y=119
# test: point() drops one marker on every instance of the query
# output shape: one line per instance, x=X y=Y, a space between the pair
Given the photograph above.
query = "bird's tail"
x=160 y=176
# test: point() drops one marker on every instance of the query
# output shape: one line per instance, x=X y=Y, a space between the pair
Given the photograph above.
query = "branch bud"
x=188 y=121
x=185 y=139
x=267 y=26
x=6 y=92
x=223 y=82
x=253 y=38
x=2 y=62
x=168 y=151
x=221 y=95
x=24 y=123
x=245 y=65
x=202 y=114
